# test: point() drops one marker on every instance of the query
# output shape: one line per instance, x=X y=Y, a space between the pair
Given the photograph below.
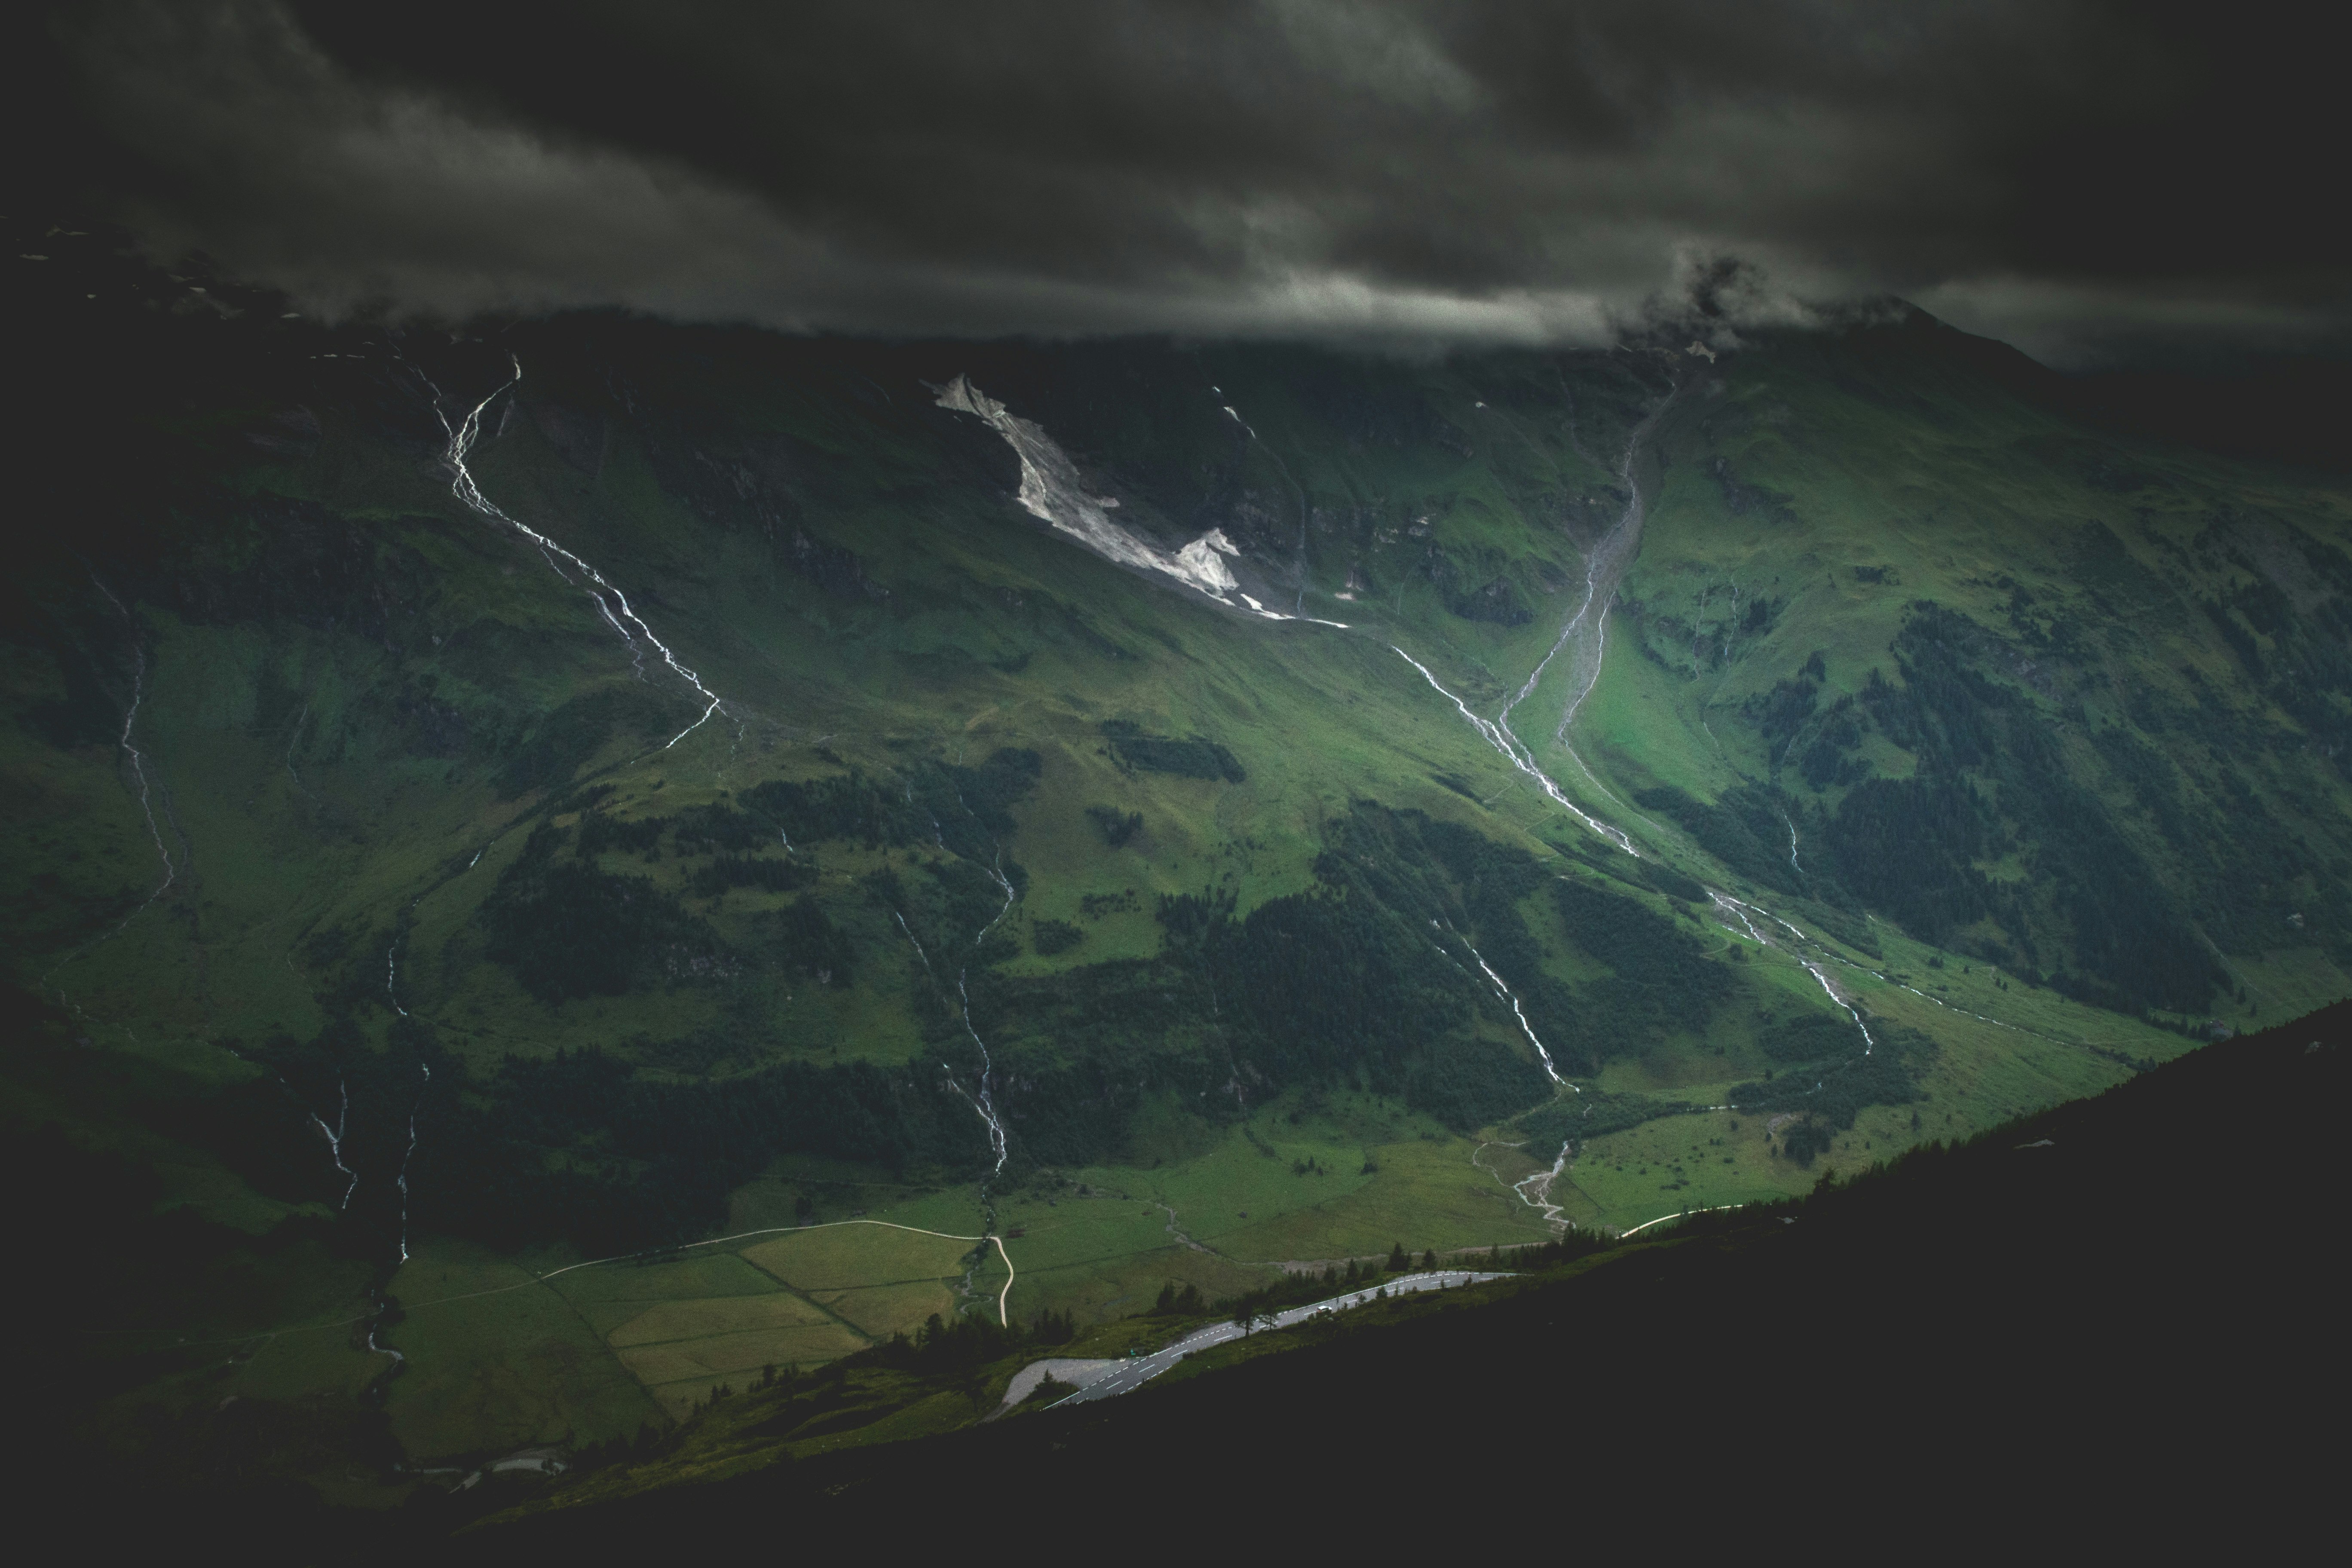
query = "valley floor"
x=508 y=1351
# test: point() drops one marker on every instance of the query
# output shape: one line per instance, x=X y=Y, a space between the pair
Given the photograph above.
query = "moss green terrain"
x=341 y=809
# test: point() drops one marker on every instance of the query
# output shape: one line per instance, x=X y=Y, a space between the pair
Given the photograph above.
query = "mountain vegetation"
x=744 y=813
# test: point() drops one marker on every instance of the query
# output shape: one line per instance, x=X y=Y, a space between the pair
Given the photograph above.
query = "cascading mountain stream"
x=462 y=436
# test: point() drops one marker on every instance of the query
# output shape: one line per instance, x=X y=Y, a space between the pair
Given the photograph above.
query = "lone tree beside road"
x=1252 y=1309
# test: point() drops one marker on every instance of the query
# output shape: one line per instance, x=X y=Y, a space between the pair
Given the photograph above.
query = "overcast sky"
x=2087 y=181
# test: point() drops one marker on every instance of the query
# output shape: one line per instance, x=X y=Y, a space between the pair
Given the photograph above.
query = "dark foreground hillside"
x=2076 y=1312
x=2123 y=1313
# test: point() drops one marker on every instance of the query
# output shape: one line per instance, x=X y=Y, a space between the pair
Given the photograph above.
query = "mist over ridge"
x=2096 y=186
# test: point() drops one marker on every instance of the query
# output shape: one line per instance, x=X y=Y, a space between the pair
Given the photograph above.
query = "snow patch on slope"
x=1050 y=490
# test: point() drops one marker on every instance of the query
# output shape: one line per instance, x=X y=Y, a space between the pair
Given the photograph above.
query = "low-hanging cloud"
x=2079 y=178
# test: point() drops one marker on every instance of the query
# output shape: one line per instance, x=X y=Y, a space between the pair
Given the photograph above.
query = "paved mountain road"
x=1134 y=1374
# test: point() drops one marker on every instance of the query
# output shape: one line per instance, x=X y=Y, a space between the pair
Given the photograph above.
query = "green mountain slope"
x=1895 y=1286
x=389 y=890
x=2079 y=706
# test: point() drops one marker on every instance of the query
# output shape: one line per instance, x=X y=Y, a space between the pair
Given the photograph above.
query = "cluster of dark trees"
x=1194 y=757
x=1344 y=980
x=579 y=1147
x=568 y=928
x=1805 y=1140
x=1117 y=826
x=1573 y=1119
x=638 y=1161
x=967 y=809
x=725 y=871
x=1050 y=937
x=1835 y=1086
x=847 y=806
x=1662 y=980
x=1420 y=871
x=1807 y=1037
x=1907 y=851
x=1744 y=830
x=1307 y=1286
x=1366 y=978
x=601 y=834
x=1172 y=1302
x=970 y=1340
x=1907 y=847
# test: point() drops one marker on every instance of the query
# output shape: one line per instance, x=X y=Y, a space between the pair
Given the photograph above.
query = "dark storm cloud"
x=2068 y=175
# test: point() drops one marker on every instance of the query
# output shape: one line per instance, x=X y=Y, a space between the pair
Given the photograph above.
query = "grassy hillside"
x=2024 y=1265
x=393 y=920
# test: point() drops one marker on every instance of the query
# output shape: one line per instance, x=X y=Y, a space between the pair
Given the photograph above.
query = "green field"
x=496 y=1362
x=599 y=1347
